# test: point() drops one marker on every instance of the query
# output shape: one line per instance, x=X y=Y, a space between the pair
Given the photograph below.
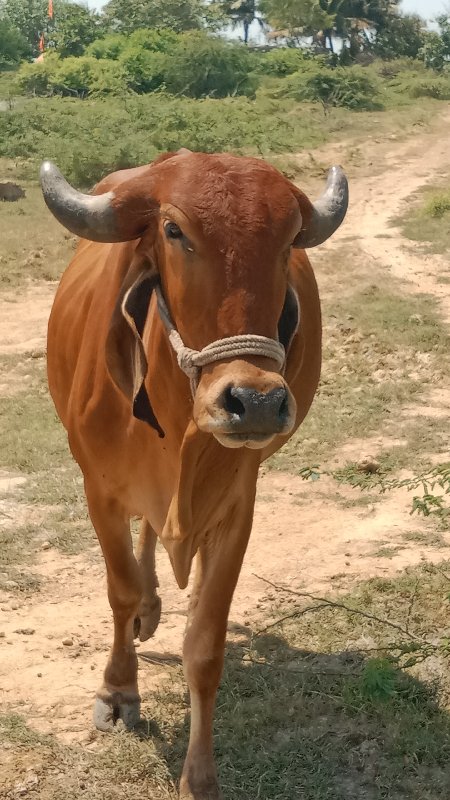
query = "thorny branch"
x=333 y=604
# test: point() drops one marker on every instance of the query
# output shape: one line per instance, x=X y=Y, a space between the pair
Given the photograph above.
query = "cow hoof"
x=107 y=714
x=148 y=620
x=206 y=790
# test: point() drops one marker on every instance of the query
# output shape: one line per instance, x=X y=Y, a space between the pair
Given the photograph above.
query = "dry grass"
x=325 y=705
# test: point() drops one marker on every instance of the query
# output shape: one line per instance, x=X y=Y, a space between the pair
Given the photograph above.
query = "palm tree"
x=241 y=12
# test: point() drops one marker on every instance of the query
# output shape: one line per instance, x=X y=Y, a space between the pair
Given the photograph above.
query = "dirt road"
x=303 y=535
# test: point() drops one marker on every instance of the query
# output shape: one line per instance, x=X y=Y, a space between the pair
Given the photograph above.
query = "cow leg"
x=149 y=612
x=118 y=697
x=218 y=565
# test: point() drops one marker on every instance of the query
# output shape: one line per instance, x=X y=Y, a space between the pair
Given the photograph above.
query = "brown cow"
x=184 y=347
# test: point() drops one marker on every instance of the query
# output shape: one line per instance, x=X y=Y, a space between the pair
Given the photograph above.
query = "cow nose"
x=257 y=412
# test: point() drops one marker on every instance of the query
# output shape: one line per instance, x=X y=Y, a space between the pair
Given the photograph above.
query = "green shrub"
x=114 y=44
x=201 y=66
x=350 y=87
x=35 y=79
x=109 y=47
x=435 y=86
x=90 y=138
x=282 y=61
x=144 y=69
x=420 y=83
x=438 y=205
x=72 y=76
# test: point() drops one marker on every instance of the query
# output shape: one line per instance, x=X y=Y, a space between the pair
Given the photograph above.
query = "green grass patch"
x=428 y=219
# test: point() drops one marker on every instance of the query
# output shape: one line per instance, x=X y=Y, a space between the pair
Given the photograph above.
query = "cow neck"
x=192 y=361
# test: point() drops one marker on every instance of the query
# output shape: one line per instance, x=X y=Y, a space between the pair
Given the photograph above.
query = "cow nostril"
x=232 y=404
x=283 y=410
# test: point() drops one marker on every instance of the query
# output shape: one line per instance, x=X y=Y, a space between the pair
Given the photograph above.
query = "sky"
x=425 y=8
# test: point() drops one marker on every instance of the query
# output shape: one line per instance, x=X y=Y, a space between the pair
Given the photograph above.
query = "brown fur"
x=197 y=496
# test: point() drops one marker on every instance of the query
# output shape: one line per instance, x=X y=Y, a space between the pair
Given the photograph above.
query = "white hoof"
x=106 y=715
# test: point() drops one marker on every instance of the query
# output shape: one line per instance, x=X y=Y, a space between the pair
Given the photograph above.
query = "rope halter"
x=191 y=361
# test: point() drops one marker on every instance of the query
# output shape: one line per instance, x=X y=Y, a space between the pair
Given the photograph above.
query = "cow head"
x=216 y=231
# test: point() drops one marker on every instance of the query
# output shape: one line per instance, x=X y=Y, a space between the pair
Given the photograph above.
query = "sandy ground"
x=54 y=643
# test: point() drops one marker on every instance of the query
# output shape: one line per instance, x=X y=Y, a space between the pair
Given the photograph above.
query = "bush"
x=112 y=134
x=113 y=45
x=437 y=87
x=438 y=205
x=282 y=61
x=144 y=70
x=72 y=77
x=202 y=66
x=420 y=83
x=349 y=87
x=35 y=79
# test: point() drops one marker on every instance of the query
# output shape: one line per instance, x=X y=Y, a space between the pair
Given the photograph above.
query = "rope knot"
x=191 y=361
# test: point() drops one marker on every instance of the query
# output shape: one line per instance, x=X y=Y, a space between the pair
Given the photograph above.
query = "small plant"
x=438 y=205
x=348 y=87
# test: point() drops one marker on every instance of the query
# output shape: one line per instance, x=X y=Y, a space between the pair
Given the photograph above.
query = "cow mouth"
x=253 y=441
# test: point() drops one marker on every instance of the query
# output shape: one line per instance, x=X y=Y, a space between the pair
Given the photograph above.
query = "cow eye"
x=172 y=231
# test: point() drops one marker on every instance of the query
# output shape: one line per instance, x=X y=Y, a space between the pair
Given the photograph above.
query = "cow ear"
x=125 y=353
x=290 y=318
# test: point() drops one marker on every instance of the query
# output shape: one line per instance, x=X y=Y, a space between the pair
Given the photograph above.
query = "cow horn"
x=89 y=216
x=327 y=212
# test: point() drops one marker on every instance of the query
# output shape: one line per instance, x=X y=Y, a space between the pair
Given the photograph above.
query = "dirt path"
x=302 y=534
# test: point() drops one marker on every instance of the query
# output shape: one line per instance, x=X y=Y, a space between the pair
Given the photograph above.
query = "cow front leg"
x=217 y=570
x=118 y=696
x=149 y=613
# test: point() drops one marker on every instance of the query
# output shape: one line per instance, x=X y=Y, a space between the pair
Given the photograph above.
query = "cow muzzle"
x=244 y=414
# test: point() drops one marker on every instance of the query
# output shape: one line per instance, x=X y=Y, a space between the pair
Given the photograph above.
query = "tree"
x=75 y=28
x=348 y=20
x=297 y=18
x=179 y=15
x=72 y=27
x=404 y=36
x=240 y=13
x=30 y=17
x=13 y=46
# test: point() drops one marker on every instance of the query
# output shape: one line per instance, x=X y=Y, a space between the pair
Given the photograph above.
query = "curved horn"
x=327 y=212
x=89 y=216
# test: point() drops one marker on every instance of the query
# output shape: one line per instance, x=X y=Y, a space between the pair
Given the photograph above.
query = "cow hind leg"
x=149 y=612
x=118 y=697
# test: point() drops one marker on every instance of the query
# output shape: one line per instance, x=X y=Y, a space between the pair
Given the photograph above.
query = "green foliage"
x=201 y=66
x=13 y=45
x=350 y=87
x=110 y=46
x=144 y=69
x=433 y=51
x=179 y=15
x=403 y=36
x=192 y=64
x=30 y=18
x=437 y=86
x=297 y=17
x=76 y=77
x=438 y=205
x=282 y=61
x=113 y=134
x=239 y=13
x=76 y=27
x=379 y=680
x=35 y=79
